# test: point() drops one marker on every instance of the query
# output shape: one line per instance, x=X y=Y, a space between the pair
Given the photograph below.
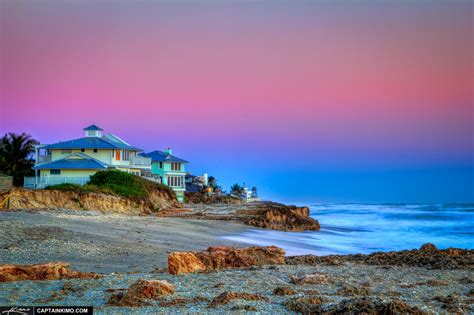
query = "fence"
x=6 y=182
x=42 y=182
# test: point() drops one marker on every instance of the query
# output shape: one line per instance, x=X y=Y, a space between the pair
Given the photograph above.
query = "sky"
x=310 y=101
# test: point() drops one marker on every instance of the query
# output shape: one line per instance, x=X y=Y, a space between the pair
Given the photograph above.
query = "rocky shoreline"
x=122 y=264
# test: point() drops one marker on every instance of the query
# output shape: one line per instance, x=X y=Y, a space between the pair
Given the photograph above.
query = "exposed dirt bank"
x=56 y=199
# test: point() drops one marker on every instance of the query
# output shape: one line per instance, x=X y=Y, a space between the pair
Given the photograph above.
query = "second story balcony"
x=41 y=159
x=140 y=161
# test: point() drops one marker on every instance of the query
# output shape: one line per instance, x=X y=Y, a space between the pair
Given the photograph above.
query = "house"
x=74 y=161
x=169 y=169
x=196 y=183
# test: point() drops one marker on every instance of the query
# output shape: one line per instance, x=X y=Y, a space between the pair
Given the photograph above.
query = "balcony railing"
x=140 y=161
x=40 y=159
x=42 y=182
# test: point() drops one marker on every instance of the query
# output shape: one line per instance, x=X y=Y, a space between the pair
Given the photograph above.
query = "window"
x=161 y=164
x=65 y=151
x=95 y=150
x=55 y=172
x=126 y=155
x=175 y=166
x=83 y=150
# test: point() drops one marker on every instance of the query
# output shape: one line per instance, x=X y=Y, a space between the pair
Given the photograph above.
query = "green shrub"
x=118 y=183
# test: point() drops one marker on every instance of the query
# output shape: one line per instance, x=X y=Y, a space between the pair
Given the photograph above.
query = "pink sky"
x=336 y=82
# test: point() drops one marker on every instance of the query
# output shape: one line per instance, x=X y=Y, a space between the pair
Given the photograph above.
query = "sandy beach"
x=128 y=248
x=104 y=242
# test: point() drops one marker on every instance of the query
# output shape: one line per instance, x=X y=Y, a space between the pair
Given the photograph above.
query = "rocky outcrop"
x=77 y=200
x=140 y=291
x=223 y=257
x=427 y=256
x=226 y=297
x=49 y=271
x=199 y=197
x=279 y=217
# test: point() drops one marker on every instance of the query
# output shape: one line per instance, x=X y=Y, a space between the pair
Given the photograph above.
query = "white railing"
x=42 y=182
x=140 y=161
x=40 y=159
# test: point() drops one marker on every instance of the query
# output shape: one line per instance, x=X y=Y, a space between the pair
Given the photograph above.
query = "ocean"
x=368 y=228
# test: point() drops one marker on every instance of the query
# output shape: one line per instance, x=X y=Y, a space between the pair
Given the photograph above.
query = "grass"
x=118 y=183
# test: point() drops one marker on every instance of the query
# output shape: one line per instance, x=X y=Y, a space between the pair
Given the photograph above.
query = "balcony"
x=140 y=161
x=41 y=159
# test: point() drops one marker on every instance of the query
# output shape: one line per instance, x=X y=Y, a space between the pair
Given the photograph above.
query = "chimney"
x=168 y=151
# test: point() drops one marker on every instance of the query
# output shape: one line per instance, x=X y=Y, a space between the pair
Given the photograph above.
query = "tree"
x=236 y=189
x=16 y=156
x=212 y=182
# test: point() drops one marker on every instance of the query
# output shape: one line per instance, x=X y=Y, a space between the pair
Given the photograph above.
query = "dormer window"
x=83 y=150
x=95 y=150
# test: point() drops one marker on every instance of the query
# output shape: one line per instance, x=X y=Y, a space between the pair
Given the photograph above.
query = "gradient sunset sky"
x=344 y=101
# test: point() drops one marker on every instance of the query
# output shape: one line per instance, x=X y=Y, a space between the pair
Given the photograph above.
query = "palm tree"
x=236 y=189
x=212 y=182
x=16 y=156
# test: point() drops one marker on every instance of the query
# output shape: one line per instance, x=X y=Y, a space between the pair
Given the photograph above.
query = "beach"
x=127 y=248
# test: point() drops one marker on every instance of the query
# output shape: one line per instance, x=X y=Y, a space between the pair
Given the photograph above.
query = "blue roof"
x=160 y=156
x=71 y=162
x=93 y=127
x=90 y=143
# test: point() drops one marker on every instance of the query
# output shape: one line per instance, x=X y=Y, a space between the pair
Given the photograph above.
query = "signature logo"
x=16 y=311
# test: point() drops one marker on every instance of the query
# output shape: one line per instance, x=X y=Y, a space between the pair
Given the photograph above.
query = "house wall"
x=104 y=155
x=68 y=173
x=166 y=168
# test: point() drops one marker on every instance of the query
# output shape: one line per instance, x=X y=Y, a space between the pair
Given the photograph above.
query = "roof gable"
x=93 y=127
x=160 y=156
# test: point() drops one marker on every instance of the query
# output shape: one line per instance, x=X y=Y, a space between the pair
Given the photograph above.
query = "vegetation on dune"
x=118 y=183
x=16 y=153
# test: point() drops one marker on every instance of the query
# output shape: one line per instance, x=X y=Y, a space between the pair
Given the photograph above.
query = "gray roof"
x=90 y=143
x=160 y=156
x=93 y=127
x=71 y=162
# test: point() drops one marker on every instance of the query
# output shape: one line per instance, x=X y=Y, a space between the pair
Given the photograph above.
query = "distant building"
x=169 y=169
x=196 y=183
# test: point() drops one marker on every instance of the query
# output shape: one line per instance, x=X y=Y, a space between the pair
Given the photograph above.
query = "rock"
x=370 y=306
x=184 y=262
x=284 y=291
x=429 y=248
x=305 y=305
x=348 y=290
x=140 y=291
x=279 y=217
x=49 y=271
x=314 y=278
x=223 y=257
x=248 y=308
x=227 y=296
x=428 y=256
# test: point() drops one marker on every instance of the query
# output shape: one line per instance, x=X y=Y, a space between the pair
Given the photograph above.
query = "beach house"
x=74 y=161
x=169 y=169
